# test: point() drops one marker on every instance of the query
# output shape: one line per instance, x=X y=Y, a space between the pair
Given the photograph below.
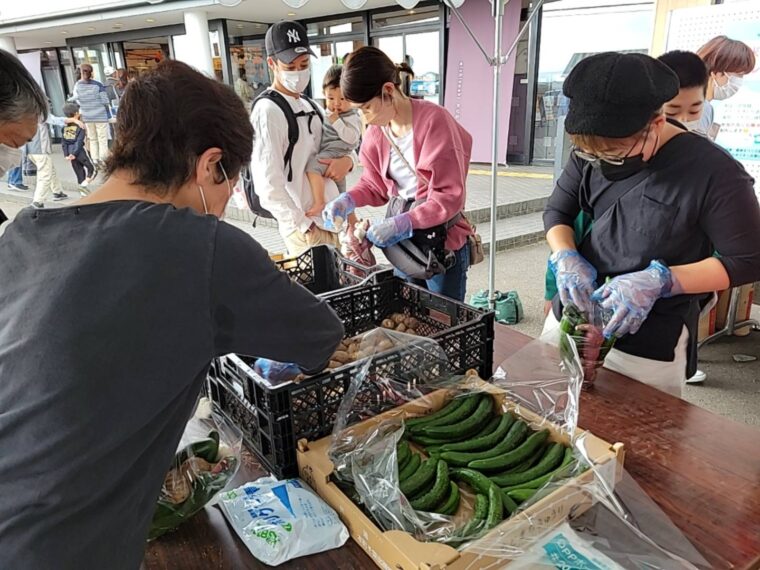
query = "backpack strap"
x=290 y=116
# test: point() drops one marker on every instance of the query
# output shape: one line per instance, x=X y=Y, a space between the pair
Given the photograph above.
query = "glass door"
x=426 y=64
x=329 y=53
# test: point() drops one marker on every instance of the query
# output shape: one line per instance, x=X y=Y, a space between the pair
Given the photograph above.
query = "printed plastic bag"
x=206 y=461
x=282 y=520
x=586 y=330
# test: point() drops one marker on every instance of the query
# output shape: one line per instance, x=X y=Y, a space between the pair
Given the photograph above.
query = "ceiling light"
x=64 y=32
x=91 y=28
x=291 y=13
x=240 y=26
x=150 y=20
x=48 y=43
x=411 y=12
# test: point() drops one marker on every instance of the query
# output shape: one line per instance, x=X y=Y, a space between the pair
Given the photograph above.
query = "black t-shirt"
x=696 y=199
x=109 y=316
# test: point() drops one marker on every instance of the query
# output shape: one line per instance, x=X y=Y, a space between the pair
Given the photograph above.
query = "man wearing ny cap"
x=281 y=185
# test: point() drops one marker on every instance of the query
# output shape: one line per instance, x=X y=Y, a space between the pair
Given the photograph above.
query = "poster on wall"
x=738 y=116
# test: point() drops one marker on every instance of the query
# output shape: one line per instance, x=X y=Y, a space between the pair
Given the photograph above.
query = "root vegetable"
x=401 y=327
x=388 y=324
x=398 y=318
x=334 y=364
x=341 y=356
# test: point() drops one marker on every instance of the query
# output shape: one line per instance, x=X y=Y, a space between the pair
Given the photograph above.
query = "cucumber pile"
x=468 y=442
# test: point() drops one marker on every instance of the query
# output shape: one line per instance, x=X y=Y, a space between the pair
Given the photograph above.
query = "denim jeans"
x=15 y=176
x=453 y=283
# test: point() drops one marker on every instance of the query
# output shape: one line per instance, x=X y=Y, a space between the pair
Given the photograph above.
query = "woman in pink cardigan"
x=415 y=158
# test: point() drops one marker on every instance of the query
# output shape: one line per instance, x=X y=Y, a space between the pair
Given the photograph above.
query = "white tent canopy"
x=496 y=61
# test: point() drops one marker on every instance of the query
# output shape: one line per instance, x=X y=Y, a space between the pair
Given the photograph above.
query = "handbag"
x=474 y=241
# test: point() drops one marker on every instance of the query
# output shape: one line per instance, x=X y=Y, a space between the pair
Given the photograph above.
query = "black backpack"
x=254 y=203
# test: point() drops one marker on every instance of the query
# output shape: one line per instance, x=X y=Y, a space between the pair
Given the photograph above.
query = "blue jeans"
x=453 y=283
x=15 y=176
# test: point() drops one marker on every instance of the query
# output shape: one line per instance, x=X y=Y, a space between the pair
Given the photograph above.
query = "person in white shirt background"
x=284 y=190
x=727 y=61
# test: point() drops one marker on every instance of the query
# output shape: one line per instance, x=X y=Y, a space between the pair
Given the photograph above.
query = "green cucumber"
x=511 y=458
x=443 y=412
x=411 y=467
x=550 y=461
x=403 y=453
x=467 y=426
x=437 y=493
x=539 y=482
x=509 y=504
x=420 y=480
x=517 y=433
x=481 y=508
x=484 y=440
x=433 y=449
x=521 y=495
x=530 y=462
x=451 y=504
x=425 y=441
x=495 y=507
x=465 y=410
x=479 y=482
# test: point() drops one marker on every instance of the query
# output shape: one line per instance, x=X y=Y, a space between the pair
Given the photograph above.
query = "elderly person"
x=93 y=101
x=95 y=395
x=22 y=104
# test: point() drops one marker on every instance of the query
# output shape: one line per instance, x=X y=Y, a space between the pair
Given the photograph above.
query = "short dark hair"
x=20 y=95
x=70 y=109
x=367 y=70
x=689 y=68
x=332 y=77
x=169 y=117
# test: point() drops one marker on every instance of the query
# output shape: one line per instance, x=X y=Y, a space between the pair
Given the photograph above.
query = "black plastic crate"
x=322 y=269
x=279 y=416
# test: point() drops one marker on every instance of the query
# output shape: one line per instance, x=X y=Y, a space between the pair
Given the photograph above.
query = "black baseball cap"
x=616 y=94
x=287 y=40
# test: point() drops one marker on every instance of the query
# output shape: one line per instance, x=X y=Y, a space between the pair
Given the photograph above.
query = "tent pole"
x=498 y=14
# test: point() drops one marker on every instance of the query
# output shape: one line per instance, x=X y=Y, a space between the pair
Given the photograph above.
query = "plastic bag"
x=586 y=329
x=207 y=459
x=282 y=520
x=568 y=477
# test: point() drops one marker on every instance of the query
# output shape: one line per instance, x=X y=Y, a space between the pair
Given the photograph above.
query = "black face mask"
x=616 y=172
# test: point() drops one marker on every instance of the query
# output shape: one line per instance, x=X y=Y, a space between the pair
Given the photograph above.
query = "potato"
x=388 y=324
x=411 y=323
x=334 y=364
x=412 y=331
x=353 y=348
x=398 y=318
x=341 y=356
x=401 y=327
x=385 y=344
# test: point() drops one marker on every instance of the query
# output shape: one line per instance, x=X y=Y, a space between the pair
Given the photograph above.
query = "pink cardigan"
x=442 y=155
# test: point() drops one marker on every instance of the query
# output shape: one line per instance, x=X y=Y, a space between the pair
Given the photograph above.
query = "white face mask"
x=295 y=81
x=229 y=194
x=9 y=158
x=693 y=126
x=722 y=92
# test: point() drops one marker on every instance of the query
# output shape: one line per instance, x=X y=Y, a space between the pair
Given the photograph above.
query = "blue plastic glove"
x=340 y=207
x=391 y=230
x=276 y=371
x=576 y=278
x=632 y=296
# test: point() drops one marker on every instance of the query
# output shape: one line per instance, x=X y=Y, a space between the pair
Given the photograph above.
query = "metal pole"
x=498 y=14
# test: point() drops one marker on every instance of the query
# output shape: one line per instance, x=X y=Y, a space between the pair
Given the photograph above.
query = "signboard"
x=739 y=116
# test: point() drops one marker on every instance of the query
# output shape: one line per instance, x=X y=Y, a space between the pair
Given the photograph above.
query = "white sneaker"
x=84 y=184
x=698 y=378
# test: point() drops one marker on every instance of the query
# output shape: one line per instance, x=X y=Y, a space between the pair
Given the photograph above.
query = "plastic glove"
x=276 y=371
x=632 y=296
x=576 y=278
x=337 y=210
x=391 y=230
x=356 y=247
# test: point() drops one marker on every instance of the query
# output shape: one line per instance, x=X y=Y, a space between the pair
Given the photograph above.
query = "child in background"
x=74 y=149
x=341 y=133
x=687 y=107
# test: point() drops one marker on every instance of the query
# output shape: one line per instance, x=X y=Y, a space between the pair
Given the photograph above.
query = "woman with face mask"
x=727 y=61
x=662 y=199
x=415 y=158
x=111 y=311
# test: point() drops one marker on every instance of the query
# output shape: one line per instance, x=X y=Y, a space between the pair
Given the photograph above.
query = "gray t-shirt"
x=109 y=316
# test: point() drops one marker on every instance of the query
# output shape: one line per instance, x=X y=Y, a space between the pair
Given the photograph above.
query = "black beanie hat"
x=615 y=94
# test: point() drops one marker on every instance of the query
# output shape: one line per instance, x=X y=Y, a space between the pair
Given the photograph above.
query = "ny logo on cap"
x=293 y=36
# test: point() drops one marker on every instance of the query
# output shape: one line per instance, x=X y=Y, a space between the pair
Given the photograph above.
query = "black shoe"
x=20 y=187
x=60 y=196
x=38 y=205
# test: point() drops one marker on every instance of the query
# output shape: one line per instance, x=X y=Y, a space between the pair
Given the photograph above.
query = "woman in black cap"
x=662 y=200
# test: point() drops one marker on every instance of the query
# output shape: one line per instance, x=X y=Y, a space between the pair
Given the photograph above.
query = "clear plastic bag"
x=581 y=489
x=207 y=460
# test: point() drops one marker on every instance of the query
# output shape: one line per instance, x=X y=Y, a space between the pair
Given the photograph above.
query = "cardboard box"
x=398 y=550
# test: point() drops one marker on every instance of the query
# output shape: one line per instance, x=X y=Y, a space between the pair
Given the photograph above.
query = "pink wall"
x=469 y=78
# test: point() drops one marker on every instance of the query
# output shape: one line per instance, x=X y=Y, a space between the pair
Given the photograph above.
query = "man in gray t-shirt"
x=109 y=316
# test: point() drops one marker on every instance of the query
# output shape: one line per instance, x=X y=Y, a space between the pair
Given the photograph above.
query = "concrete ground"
x=732 y=389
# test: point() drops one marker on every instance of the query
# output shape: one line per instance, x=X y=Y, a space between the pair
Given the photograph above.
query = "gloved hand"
x=391 y=230
x=576 y=278
x=276 y=371
x=632 y=296
x=337 y=210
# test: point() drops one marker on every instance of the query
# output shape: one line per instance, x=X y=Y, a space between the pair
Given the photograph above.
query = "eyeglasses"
x=595 y=160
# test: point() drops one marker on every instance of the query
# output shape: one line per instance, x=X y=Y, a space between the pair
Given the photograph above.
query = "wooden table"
x=701 y=469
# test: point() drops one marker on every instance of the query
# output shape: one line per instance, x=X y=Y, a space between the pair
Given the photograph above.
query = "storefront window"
x=571 y=31
x=96 y=56
x=405 y=18
x=328 y=53
x=144 y=55
x=352 y=25
x=250 y=57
